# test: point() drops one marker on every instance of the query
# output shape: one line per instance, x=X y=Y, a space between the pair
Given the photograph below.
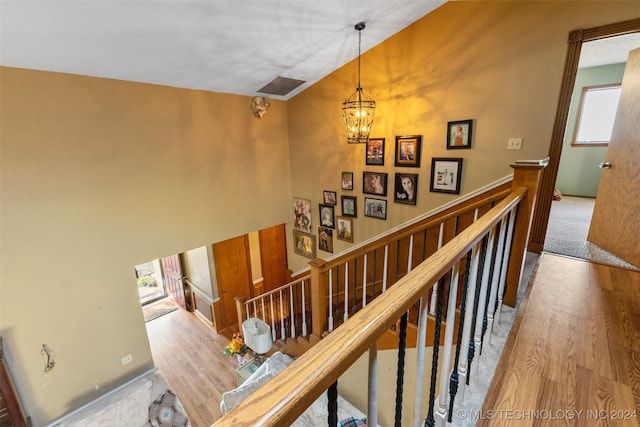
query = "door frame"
x=575 y=40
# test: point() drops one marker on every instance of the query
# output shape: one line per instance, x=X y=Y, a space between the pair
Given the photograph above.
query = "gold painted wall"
x=499 y=63
x=100 y=175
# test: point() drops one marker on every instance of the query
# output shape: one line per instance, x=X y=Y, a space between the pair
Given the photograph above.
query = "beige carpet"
x=567 y=232
x=155 y=310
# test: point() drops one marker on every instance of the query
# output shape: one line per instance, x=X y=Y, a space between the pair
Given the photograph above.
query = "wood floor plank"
x=190 y=355
x=574 y=350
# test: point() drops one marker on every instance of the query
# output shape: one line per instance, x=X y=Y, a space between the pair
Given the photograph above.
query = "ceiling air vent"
x=281 y=86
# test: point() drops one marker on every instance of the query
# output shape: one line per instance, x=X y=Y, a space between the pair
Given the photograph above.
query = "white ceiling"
x=230 y=46
x=612 y=50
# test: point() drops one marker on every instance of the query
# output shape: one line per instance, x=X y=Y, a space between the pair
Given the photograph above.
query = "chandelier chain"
x=359 y=49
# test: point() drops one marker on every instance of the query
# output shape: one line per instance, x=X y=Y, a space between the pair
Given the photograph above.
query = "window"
x=598 y=106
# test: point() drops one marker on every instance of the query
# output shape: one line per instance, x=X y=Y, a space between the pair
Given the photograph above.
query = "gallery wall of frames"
x=338 y=211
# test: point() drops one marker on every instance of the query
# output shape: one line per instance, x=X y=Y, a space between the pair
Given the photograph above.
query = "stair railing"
x=286 y=309
x=290 y=309
x=479 y=249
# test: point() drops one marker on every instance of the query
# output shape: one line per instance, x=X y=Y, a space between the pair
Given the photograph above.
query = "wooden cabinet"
x=10 y=410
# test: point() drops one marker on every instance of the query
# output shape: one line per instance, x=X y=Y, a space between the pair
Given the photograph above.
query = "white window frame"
x=606 y=111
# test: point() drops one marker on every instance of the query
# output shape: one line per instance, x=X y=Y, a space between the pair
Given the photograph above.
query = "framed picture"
x=408 y=150
x=302 y=215
x=325 y=239
x=344 y=229
x=446 y=174
x=459 y=134
x=375 y=152
x=406 y=188
x=374 y=183
x=327 y=217
x=347 y=180
x=375 y=208
x=349 y=206
x=304 y=244
x=329 y=197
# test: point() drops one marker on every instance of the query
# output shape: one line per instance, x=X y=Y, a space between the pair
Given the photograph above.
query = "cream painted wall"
x=254 y=253
x=82 y=158
x=499 y=63
x=197 y=268
x=100 y=175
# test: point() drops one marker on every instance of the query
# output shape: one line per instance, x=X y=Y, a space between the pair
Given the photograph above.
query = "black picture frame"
x=374 y=183
x=375 y=208
x=374 y=152
x=408 y=151
x=349 y=206
x=325 y=239
x=329 y=197
x=327 y=216
x=406 y=188
x=459 y=134
x=446 y=175
x=346 y=180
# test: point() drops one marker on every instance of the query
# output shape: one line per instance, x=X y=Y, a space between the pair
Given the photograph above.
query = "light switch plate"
x=514 y=144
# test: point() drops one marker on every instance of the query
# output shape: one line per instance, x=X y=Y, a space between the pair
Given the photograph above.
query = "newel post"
x=240 y=310
x=526 y=173
x=319 y=292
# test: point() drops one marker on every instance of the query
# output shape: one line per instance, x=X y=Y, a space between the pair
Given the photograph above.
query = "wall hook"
x=49 y=363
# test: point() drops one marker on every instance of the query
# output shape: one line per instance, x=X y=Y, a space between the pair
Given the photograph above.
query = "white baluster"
x=409 y=259
x=445 y=372
x=330 y=300
x=346 y=291
x=384 y=269
x=505 y=263
x=304 y=312
x=364 y=283
x=292 y=316
x=496 y=278
x=273 y=318
x=477 y=337
x=434 y=294
x=420 y=350
x=283 y=332
x=372 y=401
x=410 y=256
x=264 y=314
x=468 y=318
x=255 y=309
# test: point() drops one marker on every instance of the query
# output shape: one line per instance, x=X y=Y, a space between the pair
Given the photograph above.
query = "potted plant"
x=237 y=347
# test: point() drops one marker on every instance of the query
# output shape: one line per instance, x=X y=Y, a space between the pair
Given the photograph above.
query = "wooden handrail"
x=276 y=290
x=414 y=228
x=281 y=401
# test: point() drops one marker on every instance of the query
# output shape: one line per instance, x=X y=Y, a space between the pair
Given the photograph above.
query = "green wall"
x=578 y=173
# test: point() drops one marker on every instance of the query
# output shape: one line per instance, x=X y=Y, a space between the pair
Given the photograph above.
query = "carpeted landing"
x=567 y=232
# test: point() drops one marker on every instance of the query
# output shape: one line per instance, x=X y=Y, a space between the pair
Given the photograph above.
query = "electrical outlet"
x=514 y=144
x=127 y=359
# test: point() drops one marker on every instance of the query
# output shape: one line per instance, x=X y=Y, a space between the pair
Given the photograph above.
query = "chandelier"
x=358 y=109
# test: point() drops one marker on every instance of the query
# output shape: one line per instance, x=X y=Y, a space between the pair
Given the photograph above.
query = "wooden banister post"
x=240 y=310
x=527 y=173
x=319 y=293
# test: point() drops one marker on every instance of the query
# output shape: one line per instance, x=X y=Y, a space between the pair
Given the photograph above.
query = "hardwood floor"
x=573 y=354
x=190 y=355
x=572 y=358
